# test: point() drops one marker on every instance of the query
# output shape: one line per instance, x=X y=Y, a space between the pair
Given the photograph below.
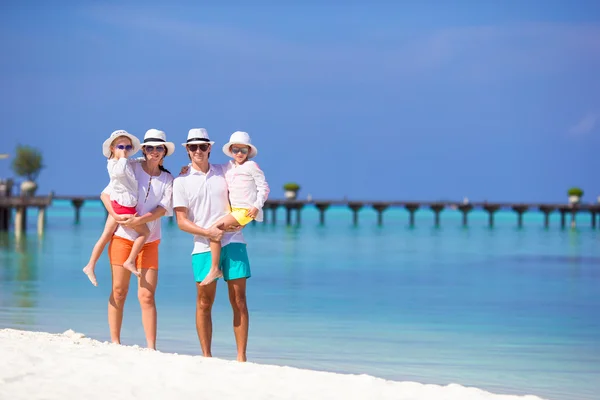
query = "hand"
x=121 y=217
x=234 y=228
x=120 y=153
x=252 y=212
x=184 y=170
x=215 y=234
x=130 y=222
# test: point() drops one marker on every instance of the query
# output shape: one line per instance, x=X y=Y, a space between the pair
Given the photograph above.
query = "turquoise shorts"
x=234 y=263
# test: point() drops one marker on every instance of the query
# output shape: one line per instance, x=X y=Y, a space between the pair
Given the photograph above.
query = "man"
x=200 y=198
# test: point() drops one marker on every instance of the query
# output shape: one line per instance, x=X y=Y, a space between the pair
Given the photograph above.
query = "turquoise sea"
x=505 y=309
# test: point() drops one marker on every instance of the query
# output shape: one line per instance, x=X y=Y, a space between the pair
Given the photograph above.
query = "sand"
x=38 y=365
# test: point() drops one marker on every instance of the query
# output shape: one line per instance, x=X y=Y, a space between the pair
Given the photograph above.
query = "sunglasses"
x=194 y=147
x=243 y=150
x=150 y=149
x=123 y=147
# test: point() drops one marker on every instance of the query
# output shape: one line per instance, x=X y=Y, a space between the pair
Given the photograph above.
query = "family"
x=213 y=202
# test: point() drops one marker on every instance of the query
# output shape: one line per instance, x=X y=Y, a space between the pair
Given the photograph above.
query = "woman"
x=155 y=189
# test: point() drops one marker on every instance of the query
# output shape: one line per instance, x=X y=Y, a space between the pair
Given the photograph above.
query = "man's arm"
x=183 y=222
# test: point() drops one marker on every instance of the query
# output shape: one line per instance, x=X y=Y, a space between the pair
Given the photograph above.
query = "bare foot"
x=241 y=358
x=89 y=271
x=213 y=274
x=129 y=266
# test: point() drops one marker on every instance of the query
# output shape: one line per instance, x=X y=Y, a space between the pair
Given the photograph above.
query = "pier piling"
x=380 y=208
x=20 y=220
x=77 y=203
x=322 y=207
x=41 y=222
x=520 y=209
x=412 y=208
x=491 y=209
x=563 y=216
x=546 y=210
x=465 y=209
x=355 y=207
x=437 y=209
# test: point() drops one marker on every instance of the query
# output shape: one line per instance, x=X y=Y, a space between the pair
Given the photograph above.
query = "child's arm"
x=262 y=187
x=120 y=169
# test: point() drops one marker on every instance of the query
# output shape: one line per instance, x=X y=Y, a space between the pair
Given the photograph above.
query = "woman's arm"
x=136 y=220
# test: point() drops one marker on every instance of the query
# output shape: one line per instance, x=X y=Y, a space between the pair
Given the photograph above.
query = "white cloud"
x=585 y=125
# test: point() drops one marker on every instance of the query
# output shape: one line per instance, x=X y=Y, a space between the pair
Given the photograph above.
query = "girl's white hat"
x=154 y=137
x=135 y=142
x=197 y=136
x=240 y=137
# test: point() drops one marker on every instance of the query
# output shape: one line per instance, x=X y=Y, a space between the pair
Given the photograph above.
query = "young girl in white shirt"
x=124 y=193
x=248 y=191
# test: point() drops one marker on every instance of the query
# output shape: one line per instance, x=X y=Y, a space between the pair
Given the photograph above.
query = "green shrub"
x=575 y=191
x=294 y=187
x=27 y=162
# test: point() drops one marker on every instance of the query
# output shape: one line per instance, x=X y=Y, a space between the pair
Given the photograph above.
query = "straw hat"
x=240 y=137
x=197 y=136
x=154 y=137
x=135 y=142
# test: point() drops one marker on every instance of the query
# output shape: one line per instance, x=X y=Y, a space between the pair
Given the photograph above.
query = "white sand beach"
x=37 y=365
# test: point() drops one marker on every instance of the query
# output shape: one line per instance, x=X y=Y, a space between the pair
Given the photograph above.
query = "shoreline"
x=69 y=365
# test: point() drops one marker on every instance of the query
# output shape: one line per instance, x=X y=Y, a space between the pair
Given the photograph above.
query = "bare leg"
x=116 y=301
x=215 y=249
x=109 y=229
x=241 y=319
x=138 y=243
x=204 y=303
x=146 y=290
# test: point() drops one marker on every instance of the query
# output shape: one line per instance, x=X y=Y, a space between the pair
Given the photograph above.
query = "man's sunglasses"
x=150 y=149
x=243 y=150
x=194 y=147
x=123 y=147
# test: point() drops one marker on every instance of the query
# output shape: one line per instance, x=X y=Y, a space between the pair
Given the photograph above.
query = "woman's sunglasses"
x=150 y=149
x=194 y=147
x=243 y=150
x=123 y=147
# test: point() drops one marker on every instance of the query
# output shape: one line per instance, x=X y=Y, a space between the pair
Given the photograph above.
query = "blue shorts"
x=234 y=263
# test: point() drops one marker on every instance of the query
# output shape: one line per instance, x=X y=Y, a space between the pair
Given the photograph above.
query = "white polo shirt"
x=207 y=200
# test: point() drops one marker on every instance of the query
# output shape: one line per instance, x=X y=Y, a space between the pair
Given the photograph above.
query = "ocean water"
x=505 y=309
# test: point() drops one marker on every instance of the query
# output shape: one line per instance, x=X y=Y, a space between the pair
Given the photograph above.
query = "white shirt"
x=152 y=191
x=122 y=180
x=206 y=199
x=247 y=186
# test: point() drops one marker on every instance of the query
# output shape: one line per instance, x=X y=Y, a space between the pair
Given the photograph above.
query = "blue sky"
x=419 y=100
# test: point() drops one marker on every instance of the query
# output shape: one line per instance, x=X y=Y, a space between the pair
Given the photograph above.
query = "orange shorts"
x=119 y=249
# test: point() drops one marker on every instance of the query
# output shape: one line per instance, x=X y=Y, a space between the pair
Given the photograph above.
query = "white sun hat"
x=240 y=137
x=154 y=137
x=135 y=142
x=197 y=136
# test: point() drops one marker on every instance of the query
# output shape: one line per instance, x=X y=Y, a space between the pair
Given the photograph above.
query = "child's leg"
x=138 y=243
x=109 y=229
x=224 y=223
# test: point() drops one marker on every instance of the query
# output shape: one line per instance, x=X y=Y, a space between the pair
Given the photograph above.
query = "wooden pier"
x=293 y=208
x=21 y=204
